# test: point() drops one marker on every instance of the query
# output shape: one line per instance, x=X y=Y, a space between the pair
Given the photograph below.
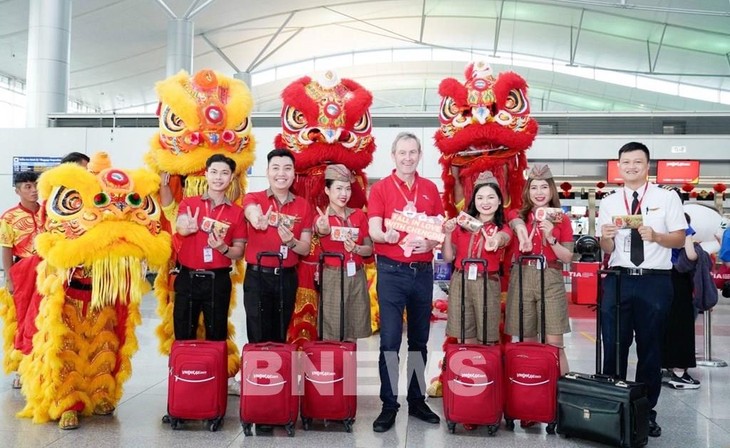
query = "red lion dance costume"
x=101 y=230
x=200 y=116
x=485 y=125
x=325 y=121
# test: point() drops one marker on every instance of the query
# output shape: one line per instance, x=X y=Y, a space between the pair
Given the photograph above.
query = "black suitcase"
x=599 y=407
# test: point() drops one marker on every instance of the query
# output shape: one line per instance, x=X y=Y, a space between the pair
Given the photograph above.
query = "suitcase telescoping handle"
x=197 y=275
x=464 y=264
x=280 y=258
x=617 y=334
x=320 y=314
x=543 y=265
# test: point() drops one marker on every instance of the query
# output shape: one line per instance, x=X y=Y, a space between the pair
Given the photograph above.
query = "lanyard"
x=636 y=211
x=207 y=211
x=479 y=246
x=415 y=192
x=532 y=234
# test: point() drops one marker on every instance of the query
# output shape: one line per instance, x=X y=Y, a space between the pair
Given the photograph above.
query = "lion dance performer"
x=202 y=115
x=485 y=125
x=324 y=121
x=101 y=231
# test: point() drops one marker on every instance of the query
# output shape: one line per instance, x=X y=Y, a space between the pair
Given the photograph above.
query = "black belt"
x=269 y=270
x=417 y=265
x=216 y=270
x=643 y=271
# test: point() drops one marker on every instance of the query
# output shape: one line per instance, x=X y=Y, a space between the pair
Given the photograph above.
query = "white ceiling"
x=118 y=47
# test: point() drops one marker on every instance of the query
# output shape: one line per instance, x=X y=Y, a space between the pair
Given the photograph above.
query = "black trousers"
x=195 y=294
x=679 y=340
x=261 y=300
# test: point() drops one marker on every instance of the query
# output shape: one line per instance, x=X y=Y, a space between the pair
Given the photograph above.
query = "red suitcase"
x=269 y=377
x=329 y=368
x=473 y=382
x=531 y=369
x=198 y=378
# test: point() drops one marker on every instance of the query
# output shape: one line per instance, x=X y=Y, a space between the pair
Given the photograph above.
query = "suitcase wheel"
x=451 y=426
x=348 y=424
x=509 y=424
x=550 y=428
x=492 y=429
x=289 y=429
x=306 y=423
x=166 y=419
x=247 y=429
x=214 y=424
x=176 y=423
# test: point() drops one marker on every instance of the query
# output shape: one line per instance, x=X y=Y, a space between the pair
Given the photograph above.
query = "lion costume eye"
x=449 y=109
x=171 y=121
x=134 y=199
x=294 y=120
x=101 y=199
x=363 y=124
x=66 y=202
x=516 y=102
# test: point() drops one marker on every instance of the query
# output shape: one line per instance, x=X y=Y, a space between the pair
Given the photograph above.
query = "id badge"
x=627 y=244
x=284 y=251
x=472 y=272
x=207 y=255
x=351 y=269
x=539 y=264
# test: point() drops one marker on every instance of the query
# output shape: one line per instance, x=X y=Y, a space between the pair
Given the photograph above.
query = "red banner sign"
x=613 y=175
x=678 y=171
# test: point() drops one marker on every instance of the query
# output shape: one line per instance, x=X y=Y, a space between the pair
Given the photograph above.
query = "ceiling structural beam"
x=365 y=22
x=497 y=29
x=220 y=53
x=574 y=42
x=191 y=8
x=255 y=61
x=652 y=67
x=167 y=9
x=198 y=9
x=272 y=52
x=423 y=21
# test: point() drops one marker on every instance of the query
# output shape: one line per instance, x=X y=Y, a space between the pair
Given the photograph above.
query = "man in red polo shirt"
x=285 y=227
x=405 y=282
x=212 y=234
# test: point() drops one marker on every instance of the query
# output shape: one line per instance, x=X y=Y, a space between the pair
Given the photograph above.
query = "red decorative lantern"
x=600 y=185
x=566 y=186
x=719 y=187
x=688 y=188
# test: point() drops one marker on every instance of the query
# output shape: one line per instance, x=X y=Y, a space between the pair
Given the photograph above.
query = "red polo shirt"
x=268 y=240
x=391 y=193
x=461 y=238
x=353 y=218
x=191 y=249
x=562 y=231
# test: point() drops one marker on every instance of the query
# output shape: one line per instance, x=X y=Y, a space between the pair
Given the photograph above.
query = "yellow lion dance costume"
x=100 y=233
x=200 y=116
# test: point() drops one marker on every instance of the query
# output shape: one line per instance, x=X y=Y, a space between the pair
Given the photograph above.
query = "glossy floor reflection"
x=689 y=418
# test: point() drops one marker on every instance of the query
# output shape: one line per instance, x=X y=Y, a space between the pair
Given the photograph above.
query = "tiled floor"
x=692 y=418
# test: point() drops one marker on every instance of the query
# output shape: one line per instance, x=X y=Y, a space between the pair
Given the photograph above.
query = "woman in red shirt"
x=541 y=230
x=484 y=237
x=344 y=230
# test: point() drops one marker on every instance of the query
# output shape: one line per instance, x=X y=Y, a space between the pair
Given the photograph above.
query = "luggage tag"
x=472 y=272
x=351 y=268
x=284 y=251
x=539 y=264
x=207 y=255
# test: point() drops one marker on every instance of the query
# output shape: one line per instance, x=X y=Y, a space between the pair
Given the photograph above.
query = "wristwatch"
x=223 y=252
x=291 y=243
x=552 y=242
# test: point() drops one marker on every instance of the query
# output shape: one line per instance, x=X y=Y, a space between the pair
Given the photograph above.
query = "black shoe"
x=654 y=429
x=385 y=420
x=422 y=412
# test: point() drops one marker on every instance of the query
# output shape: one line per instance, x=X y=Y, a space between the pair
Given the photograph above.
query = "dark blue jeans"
x=400 y=288
x=645 y=303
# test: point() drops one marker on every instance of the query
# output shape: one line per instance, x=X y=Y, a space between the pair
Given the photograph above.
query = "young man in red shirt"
x=404 y=282
x=277 y=221
x=212 y=234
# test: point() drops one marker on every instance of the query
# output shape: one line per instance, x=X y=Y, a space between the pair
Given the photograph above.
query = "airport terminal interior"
x=80 y=75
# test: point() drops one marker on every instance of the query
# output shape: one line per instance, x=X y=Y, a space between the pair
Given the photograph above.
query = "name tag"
x=207 y=255
x=351 y=269
x=472 y=272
